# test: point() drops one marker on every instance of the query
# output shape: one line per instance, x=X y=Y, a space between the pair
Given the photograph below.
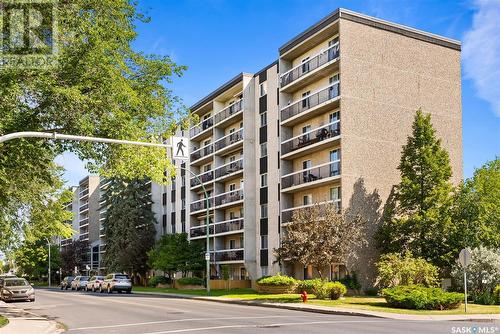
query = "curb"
x=32 y=322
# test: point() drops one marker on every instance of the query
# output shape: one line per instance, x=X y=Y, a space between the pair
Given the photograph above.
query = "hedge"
x=155 y=280
x=421 y=298
x=190 y=281
x=308 y=285
x=277 y=280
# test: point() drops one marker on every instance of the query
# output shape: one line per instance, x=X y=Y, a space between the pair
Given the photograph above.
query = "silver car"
x=117 y=282
x=95 y=283
x=80 y=282
x=16 y=288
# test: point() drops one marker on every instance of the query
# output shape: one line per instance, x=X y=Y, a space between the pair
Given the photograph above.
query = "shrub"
x=371 y=291
x=332 y=290
x=421 y=298
x=351 y=281
x=155 y=280
x=308 y=285
x=484 y=298
x=483 y=273
x=496 y=294
x=277 y=280
x=190 y=281
x=396 y=269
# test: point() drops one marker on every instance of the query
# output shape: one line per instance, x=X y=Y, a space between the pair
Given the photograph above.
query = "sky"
x=218 y=39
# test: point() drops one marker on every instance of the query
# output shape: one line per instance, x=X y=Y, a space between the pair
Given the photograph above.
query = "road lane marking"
x=273 y=325
x=193 y=319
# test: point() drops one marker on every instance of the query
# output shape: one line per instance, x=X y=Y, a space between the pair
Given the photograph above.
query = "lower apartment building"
x=324 y=123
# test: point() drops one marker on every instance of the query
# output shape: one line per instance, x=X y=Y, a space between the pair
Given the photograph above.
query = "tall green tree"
x=174 y=252
x=420 y=217
x=476 y=209
x=72 y=256
x=100 y=86
x=32 y=259
x=129 y=226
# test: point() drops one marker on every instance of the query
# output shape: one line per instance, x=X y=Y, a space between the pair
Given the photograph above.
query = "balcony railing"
x=84 y=236
x=227 y=255
x=229 y=197
x=287 y=214
x=310 y=65
x=317 y=135
x=221 y=227
x=229 y=168
x=311 y=101
x=202 y=152
x=311 y=174
x=201 y=204
x=205 y=177
x=84 y=192
x=228 y=111
x=229 y=140
x=84 y=207
x=200 y=127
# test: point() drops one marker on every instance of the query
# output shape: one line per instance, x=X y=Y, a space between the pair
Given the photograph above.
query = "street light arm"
x=55 y=135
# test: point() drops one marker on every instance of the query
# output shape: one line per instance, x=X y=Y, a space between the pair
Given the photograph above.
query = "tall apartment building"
x=325 y=123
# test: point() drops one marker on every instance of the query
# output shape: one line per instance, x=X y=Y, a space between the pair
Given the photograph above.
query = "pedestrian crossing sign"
x=180 y=148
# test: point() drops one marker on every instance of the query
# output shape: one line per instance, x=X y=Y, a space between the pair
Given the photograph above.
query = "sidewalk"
x=23 y=322
x=337 y=310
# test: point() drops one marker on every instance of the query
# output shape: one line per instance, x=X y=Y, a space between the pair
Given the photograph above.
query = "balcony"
x=84 y=236
x=201 y=130
x=310 y=70
x=310 y=141
x=202 y=154
x=227 y=114
x=221 y=228
x=227 y=255
x=287 y=214
x=229 y=169
x=84 y=222
x=229 y=141
x=230 y=197
x=310 y=177
x=311 y=105
x=201 y=204
x=205 y=177
x=84 y=207
x=84 y=193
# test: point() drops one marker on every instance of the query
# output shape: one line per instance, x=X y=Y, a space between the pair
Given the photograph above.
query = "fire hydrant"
x=303 y=295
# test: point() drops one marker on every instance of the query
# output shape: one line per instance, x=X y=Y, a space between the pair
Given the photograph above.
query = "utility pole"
x=48 y=242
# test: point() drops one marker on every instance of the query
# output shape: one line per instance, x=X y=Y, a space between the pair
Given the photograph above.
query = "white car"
x=94 y=283
x=117 y=282
x=80 y=282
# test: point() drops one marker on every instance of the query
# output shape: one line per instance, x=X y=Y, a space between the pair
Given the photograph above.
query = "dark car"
x=66 y=282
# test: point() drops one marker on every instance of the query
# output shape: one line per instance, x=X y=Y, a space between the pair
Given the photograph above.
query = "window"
x=264 y=270
x=232 y=215
x=183 y=180
x=173 y=228
x=183 y=227
x=232 y=243
x=207 y=168
x=183 y=203
x=263 y=211
x=305 y=65
x=263 y=150
x=263 y=180
x=241 y=125
x=334 y=89
x=263 y=88
x=335 y=165
x=232 y=187
x=232 y=158
x=305 y=100
x=306 y=164
x=335 y=193
x=307 y=199
x=263 y=119
x=206 y=142
x=263 y=242
x=242 y=242
x=307 y=135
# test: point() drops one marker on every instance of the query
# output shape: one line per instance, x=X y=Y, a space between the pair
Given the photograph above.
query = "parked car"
x=15 y=288
x=66 y=282
x=94 y=283
x=116 y=282
x=80 y=282
x=4 y=276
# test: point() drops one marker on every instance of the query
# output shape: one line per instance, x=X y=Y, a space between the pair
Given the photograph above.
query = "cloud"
x=481 y=52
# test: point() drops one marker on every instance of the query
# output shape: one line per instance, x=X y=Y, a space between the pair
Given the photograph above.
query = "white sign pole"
x=464 y=258
x=465 y=287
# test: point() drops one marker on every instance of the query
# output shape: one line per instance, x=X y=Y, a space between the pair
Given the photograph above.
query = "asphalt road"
x=89 y=313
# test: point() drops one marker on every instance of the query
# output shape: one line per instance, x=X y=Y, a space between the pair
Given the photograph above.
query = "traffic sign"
x=465 y=257
x=207 y=256
x=180 y=148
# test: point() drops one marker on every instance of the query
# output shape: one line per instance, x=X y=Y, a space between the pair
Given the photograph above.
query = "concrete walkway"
x=305 y=307
x=24 y=322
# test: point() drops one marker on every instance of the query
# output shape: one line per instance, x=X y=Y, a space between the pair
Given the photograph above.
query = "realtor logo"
x=28 y=34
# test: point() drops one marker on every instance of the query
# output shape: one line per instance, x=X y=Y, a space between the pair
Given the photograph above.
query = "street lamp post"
x=48 y=242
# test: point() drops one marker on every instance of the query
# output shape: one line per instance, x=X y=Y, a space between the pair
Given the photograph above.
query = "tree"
x=476 y=209
x=100 y=86
x=174 y=252
x=32 y=259
x=419 y=218
x=72 y=256
x=129 y=226
x=319 y=235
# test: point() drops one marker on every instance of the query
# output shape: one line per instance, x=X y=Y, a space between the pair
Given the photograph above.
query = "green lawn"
x=361 y=303
x=3 y=321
